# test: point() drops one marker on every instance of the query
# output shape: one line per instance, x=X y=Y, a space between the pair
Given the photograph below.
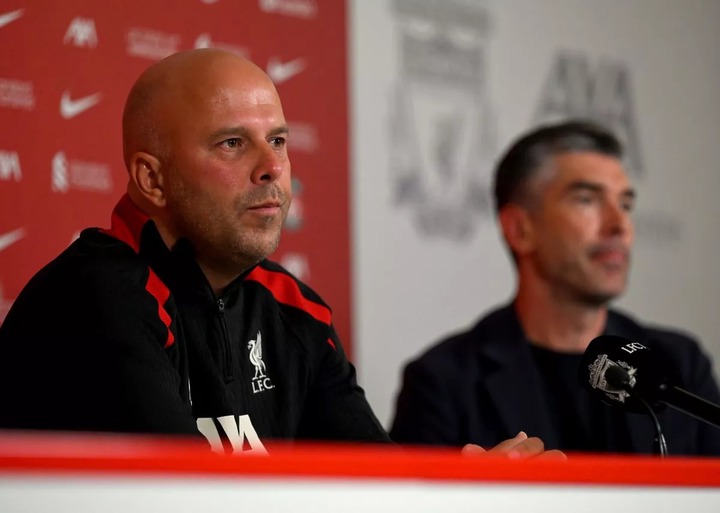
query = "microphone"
x=631 y=376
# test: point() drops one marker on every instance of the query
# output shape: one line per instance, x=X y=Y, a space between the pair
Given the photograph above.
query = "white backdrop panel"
x=439 y=88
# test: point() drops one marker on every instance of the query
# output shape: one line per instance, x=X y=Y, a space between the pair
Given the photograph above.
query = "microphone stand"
x=616 y=374
x=690 y=404
x=659 y=444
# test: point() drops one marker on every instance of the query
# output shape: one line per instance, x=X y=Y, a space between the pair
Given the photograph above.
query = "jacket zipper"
x=225 y=349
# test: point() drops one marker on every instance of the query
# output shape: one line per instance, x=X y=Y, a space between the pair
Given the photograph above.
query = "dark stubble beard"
x=572 y=283
x=227 y=251
x=593 y=298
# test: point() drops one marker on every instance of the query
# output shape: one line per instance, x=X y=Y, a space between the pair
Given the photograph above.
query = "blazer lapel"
x=515 y=385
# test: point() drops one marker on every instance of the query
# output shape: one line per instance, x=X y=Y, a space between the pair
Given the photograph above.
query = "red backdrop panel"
x=65 y=70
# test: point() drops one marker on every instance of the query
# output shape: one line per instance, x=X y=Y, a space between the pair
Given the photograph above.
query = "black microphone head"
x=618 y=371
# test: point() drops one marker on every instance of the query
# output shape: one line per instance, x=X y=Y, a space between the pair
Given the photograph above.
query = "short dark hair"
x=532 y=149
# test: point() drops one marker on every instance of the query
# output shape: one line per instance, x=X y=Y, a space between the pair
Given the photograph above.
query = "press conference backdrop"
x=391 y=162
x=439 y=87
x=65 y=70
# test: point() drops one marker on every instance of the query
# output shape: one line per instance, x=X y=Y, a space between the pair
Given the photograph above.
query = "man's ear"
x=517 y=228
x=146 y=173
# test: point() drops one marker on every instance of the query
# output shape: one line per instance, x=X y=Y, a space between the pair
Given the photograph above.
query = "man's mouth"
x=269 y=207
x=615 y=256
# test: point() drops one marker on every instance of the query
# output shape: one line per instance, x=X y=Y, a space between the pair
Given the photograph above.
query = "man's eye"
x=233 y=142
x=584 y=199
x=278 y=141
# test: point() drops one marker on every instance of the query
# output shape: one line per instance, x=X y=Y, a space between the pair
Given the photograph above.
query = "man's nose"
x=617 y=218
x=269 y=166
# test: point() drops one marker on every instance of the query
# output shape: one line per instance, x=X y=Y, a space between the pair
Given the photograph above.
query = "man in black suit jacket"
x=563 y=201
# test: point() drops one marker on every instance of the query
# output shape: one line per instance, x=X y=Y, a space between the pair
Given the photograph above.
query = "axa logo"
x=280 y=71
x=236 y=431
x=582 y=86
x=69 y=107
x=81 y=32
x=10 y=166
x=9 y=17
x=260 y=382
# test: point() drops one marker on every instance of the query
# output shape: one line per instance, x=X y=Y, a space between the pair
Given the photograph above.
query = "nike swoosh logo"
x=70 y=108
x=280 y=72
x=9 y=17
x=10 y=238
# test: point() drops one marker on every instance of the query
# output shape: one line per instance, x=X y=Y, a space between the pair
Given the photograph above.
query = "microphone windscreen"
x=613 y=367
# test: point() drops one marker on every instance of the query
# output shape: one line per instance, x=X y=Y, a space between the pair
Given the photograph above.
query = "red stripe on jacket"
x=160 y=292
x=127 y=222
x=285 y=290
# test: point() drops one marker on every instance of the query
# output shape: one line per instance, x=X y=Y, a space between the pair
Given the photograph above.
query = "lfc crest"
x=260 y=382
x=442 y=130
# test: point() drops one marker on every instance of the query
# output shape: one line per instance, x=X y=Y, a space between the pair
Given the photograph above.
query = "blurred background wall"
x=440 y=87
x=398 y=110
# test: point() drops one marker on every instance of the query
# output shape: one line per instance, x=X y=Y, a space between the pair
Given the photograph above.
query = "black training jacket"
x=119 y=333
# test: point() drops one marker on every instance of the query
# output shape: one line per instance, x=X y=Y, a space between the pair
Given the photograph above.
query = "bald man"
x=173 y=321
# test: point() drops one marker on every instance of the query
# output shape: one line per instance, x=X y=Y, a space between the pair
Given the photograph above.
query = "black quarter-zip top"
x=130 y=328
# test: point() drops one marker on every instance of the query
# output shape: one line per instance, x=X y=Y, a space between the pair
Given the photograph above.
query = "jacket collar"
x=514 y=381
x=176 y=267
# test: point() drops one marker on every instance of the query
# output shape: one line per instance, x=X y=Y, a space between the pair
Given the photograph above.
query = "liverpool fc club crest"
x=260 y=382
x=442 y=128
